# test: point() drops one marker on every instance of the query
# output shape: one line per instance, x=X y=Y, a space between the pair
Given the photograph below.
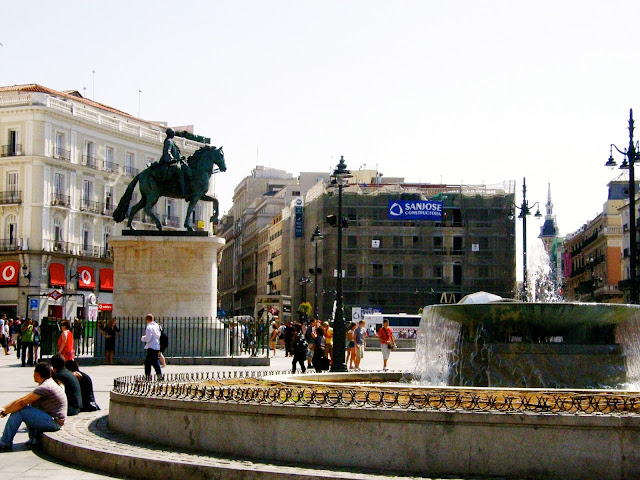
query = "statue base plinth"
x=166 y=275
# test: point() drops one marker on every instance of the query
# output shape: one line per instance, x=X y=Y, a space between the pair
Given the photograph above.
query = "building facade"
x=64 y=163
x=593 y=255
x=396 y=266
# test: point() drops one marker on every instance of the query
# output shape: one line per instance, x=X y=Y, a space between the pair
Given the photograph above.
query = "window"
x=437 y=271
x=295 y=194
x=57 y=231
x=108 y=199
x=109 y=159
x=483 y=243
x=352 y=241
x=106 y=233
x=457 y=244
x=417 y=271
x=59 y=151
x=376 y=269
x=87 y=191
x=129 y=161
x=85 y=237
x=12 y=230
x=397 y=242
x=12 y=182
x=13 y=148
x=58 y=184
x=437 y=243
x=352 y=270
x=398 y=270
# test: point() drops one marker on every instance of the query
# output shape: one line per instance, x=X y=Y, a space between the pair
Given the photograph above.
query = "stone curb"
x=87 y=441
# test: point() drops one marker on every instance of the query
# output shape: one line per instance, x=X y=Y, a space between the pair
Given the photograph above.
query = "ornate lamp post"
x=633 y=155
x=525 y=210
x=339 y=177
x=316 y=238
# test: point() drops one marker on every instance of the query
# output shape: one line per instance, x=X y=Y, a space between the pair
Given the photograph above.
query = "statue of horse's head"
x=204 y=158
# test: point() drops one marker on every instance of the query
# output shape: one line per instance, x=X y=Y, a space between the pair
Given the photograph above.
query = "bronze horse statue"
x=200 y=166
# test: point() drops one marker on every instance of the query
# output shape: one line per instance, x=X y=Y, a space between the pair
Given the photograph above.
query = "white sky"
x=459 y=90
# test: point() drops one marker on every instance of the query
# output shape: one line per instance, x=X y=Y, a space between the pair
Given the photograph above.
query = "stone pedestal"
x=169 y=276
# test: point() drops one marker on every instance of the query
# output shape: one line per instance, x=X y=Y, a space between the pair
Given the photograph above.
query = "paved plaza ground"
x=15 y=381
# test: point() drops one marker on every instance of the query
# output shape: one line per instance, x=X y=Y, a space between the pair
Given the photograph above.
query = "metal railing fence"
x=188 y=337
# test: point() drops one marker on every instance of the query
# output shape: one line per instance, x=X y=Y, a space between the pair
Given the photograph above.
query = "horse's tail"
x=123 y=206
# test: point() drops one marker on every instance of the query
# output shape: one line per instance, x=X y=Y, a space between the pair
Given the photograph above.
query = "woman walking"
x=65 y=341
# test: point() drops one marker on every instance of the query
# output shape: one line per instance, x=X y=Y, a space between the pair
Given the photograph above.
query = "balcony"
x=14 y=150
x=69 y=248
x=90 y=206
x=11 y=197
x=111 y=167
x=131 y=171
x=60 y=200
x=12 y=244
x=107 y=209
x=61 y=154
x=91 y=162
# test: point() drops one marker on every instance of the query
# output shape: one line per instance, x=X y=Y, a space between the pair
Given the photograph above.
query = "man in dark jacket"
x=71 y=385
x=86 y=387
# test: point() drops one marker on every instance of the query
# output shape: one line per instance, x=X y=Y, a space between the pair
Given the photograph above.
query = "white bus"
x=402 y=325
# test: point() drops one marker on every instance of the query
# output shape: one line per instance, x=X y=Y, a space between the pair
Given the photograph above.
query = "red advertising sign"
x=86 y=278
x=105 y=307
x=9 y=273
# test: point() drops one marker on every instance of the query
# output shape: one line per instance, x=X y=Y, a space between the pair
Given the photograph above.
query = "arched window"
x=11 y=230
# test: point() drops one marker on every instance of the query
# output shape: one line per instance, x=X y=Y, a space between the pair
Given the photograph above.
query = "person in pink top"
x=65 y=341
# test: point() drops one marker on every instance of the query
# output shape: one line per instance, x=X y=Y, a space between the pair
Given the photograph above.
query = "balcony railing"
x=13 y=244
x=90 y=206
x=14 y=150
x=69 y=248
x=107 y=209
x=131 y=171
x=111 y=167
x=11 y=197
x=60 y=200
x=91 y=162
x=61 y=154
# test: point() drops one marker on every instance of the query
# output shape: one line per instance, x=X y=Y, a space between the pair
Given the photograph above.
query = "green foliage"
x=305 y=308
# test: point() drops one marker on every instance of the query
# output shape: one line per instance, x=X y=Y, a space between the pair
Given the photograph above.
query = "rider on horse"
x=171 y=163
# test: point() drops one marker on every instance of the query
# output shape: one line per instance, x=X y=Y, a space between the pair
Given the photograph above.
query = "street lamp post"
x=316 y=238
x=525 y=210
x=340 y=178
x=633 y=155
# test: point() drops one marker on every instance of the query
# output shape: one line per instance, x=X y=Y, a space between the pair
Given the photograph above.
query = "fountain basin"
x=529 y=345
x=286 y=417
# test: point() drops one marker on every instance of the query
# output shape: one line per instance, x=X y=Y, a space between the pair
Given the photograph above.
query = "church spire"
x=549 y=204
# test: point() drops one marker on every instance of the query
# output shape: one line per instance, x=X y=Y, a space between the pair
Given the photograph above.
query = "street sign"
x=56 y=295
x=33 y=304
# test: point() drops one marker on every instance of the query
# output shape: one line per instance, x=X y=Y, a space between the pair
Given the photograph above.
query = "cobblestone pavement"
x=15 y=381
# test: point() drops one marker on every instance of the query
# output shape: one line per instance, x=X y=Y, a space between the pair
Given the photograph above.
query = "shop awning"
x=57 y=276
x=106 y=280
x=9 y=273
x=86 y=278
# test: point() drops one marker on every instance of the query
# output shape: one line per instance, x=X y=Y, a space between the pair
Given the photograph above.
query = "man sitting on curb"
x=43 y=410
x=71 y=385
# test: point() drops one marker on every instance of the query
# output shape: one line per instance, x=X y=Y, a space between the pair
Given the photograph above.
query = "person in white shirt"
x=151 y=338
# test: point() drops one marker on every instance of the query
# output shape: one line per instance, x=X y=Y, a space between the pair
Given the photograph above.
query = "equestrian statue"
x=174 y=177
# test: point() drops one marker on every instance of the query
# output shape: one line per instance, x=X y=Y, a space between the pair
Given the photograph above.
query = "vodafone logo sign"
x=9 y=273
x=85 y=277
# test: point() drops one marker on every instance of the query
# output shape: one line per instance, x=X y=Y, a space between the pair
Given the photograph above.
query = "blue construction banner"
x=415 y=210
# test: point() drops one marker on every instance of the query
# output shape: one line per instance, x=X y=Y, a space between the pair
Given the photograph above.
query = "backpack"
x=164 y=340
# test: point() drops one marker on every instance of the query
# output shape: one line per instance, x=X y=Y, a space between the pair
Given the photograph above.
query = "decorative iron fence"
x=188 y=337
x=194 y=386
